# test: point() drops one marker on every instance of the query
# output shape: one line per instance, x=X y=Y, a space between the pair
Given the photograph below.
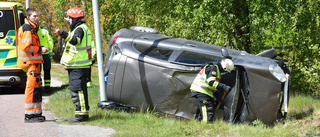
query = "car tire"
x=144 y=29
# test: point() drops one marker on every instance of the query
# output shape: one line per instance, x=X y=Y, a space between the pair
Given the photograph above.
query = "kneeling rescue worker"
x=30 y=57
x=208 y=90
x=77 y=59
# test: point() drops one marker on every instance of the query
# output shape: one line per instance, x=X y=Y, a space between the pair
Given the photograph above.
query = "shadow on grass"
x=55 y=89
x=108 y=115
x=18 y=90
x=300 y=114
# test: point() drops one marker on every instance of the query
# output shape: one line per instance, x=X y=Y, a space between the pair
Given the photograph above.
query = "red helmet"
x=75 y=12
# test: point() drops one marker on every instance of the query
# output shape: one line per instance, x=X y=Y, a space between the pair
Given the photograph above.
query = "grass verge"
x=303 y=117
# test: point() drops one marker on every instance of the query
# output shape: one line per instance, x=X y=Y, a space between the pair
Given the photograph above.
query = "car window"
x=21 y=17
x=154 y=52
x=6 y=22
x=195 y=58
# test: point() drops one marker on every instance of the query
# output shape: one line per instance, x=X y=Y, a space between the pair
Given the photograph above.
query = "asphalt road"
x=12 y=120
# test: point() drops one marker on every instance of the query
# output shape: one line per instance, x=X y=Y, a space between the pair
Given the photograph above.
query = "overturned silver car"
x=147 y=69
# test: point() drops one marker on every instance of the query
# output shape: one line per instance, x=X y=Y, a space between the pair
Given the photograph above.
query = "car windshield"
x=6 y=22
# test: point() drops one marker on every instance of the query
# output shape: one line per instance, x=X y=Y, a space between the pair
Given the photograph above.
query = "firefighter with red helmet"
x=77 y=59
x=30 y=57
x=208 y=90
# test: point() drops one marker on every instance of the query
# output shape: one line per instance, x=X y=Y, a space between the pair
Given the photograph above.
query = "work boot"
x=34 y=119
x=79 y=119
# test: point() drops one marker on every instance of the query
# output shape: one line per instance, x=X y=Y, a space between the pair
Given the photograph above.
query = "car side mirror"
x=225 y=53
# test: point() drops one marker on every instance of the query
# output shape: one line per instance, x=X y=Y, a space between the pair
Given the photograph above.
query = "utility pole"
x=103 y=95
x=27 y=4
x=95 y=7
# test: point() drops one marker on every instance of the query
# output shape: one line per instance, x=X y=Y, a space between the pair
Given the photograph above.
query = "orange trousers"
x=33 y=94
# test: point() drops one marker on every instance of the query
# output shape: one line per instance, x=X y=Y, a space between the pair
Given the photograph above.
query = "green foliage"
x=253 y=26
x=59 y=14
x=258 y=123
x=313 y=133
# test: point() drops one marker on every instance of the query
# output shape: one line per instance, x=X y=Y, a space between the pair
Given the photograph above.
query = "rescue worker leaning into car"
x=208 y=90
x=77 y=59
x=30 y=57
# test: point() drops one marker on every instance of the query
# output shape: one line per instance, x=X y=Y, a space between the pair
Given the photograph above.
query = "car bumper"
x=10 y=78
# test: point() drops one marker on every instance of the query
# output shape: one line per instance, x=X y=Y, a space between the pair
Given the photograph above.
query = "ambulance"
x=11 y=18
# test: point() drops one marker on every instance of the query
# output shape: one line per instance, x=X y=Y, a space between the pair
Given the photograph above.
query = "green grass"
x=302 y=118
x=304 y=107
x=59 y=72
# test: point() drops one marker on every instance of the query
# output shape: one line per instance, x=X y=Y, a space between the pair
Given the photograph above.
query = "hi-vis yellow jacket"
x=45 y=39
x=78 y=56
x=201 y=82
x=29 y=51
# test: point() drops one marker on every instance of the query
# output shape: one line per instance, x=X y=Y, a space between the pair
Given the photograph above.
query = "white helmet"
x=227 y=65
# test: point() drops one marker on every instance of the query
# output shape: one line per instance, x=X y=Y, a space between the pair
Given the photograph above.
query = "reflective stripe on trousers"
x=83 y=110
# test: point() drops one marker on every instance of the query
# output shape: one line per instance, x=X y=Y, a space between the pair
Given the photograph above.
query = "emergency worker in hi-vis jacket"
x=30 y=57
x=46 y=41
x=77 y=59
x=208 y=90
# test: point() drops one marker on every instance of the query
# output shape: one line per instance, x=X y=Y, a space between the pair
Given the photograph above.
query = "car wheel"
x=144 y=29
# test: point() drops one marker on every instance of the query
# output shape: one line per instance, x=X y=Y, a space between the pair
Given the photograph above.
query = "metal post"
x=27 y=4
x=286 y=94
x=95 y=6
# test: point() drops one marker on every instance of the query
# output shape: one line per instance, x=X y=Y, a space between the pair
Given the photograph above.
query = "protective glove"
x=226 y=88
x=50 y=54
x=222 y=92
